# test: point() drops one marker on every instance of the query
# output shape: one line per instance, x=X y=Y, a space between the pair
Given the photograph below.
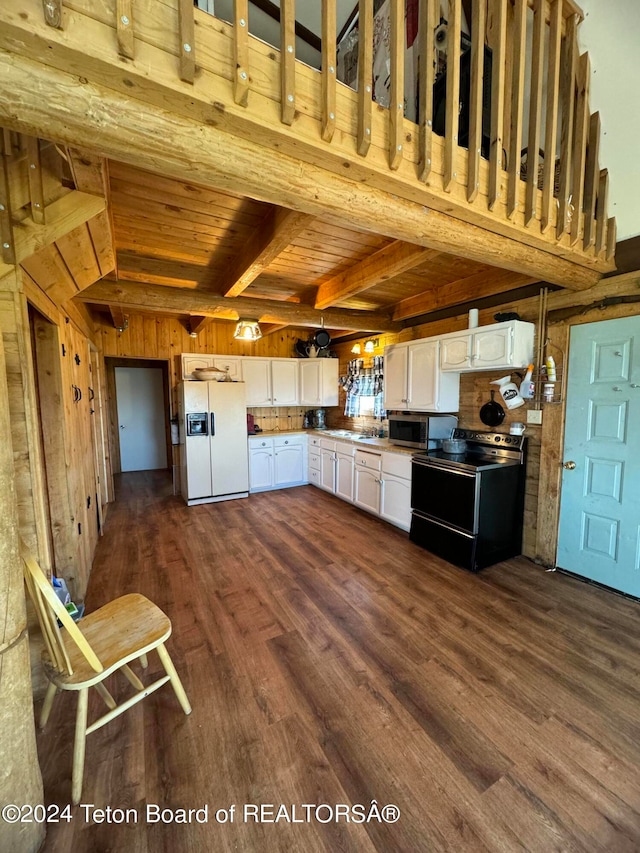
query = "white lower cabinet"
x=395 y=498
x=327 y=465
x=367 y=483
x=344 y=470
x=375 y=480
x=289 y=467
x=277 y=463
x=260 y=464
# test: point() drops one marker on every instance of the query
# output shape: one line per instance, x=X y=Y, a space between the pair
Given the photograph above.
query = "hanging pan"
x=492 y=413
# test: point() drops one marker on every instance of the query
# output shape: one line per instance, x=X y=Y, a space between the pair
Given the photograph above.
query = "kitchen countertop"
x=342 y=435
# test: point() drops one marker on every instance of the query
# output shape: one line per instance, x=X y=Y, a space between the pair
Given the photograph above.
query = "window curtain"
x=364 y=382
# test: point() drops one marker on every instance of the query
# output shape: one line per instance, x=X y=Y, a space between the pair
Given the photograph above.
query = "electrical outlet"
x=534 y=416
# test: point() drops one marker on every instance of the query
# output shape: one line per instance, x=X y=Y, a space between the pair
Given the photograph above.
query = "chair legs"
x=170 y=669
x=48 y=703
x=144 y=661
x=79 y=746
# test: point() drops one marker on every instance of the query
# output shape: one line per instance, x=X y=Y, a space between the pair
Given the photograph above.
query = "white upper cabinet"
x=413 y=380
x=256 y=373
x=500 y=346
x=231 y=364
x=284 y=381
x=194 y=362
x=319 y=382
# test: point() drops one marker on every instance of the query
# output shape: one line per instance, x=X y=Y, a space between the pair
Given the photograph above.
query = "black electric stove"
x=468 y=508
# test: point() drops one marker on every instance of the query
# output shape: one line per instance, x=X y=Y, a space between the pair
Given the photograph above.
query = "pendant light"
x=248 y=330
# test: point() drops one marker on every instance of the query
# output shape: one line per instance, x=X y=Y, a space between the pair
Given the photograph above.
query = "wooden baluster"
x=535 y=111
x=53 y=13
x=611 y=239
x=592 y=177
x=426 y=72
x=517 y=104
x=36 y=193
x=567 y=94
x=551 y=123
x=288 y=60
x=187 y=41
x=580 y=148
x=8 y=254
x=241 y=51
x=452 y=97
x=124 y=28
x=328 y=72
x=601 y=211
x=498 y=28
x=478 y=32
x=396 y=91
x=365 y=74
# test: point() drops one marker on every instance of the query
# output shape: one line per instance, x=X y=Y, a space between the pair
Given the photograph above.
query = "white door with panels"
x=599 y=534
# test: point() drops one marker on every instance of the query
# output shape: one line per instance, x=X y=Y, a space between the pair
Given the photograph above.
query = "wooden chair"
x=82 y=655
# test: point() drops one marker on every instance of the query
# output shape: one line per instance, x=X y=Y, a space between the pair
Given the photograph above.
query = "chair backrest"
x=49 y=609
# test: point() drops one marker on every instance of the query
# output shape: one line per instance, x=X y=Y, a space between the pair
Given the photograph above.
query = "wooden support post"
x=365 y=74
x=611 y=239
x=535 y=111
x=20 y=780
x=498 y=40
x=580 y=148
x=601 y=210
x=396 y=92
x=328 y=70
x=517 y=104
x=124 y=28
x=551 y=122
x=241 y=51
x=6 y=227
x=426 y=74
x=452 y=97
x=53 y=13
x=478 y=35
x=287 y=61
x=591 y=180
x=35 y=180
x=187 y=41
x=567 y=94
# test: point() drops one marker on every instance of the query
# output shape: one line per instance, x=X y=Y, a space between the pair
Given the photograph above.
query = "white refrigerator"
x=214 y=462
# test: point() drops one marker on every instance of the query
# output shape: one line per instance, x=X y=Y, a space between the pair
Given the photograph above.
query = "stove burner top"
x=484 y=450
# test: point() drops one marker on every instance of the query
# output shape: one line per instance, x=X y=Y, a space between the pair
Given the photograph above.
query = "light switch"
x=534 y=416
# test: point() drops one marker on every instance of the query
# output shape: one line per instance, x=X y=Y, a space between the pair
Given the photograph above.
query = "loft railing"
x=501 y=127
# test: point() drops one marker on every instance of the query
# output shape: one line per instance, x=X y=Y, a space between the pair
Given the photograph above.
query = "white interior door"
x=141 y=418
x=599 y=535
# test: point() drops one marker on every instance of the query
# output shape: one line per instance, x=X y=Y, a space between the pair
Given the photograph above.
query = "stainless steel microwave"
x=419 y=430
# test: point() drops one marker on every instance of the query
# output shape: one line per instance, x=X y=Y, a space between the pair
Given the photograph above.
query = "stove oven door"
x=444 y=518
x=448 y=495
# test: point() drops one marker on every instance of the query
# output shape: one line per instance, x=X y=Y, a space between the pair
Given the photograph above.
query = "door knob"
x=570 y=465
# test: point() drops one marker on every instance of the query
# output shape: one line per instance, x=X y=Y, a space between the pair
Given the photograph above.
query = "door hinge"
x=88 y=501
x=64 y=352
x=80 y=528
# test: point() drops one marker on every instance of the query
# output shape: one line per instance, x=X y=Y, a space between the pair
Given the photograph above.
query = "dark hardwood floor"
x=330 y=661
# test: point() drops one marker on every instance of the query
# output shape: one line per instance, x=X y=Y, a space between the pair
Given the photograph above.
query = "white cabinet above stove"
x=500 y=346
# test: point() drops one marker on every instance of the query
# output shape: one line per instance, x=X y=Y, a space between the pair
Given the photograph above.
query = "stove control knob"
x=497 y=438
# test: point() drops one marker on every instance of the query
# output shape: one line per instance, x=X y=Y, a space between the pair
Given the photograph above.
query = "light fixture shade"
x=248 y=330
x=356 y=349
x=369 y=346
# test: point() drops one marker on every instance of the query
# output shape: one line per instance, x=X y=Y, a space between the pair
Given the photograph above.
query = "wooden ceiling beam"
x=279 y=228
x=477 y=286
x=197 y=323
x=137 y=296
x=270 y=328
x=119 y=318
x=90 y=173
x=384 y=264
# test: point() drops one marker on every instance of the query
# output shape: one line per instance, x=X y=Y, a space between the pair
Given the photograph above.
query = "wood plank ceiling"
x=207 y=248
